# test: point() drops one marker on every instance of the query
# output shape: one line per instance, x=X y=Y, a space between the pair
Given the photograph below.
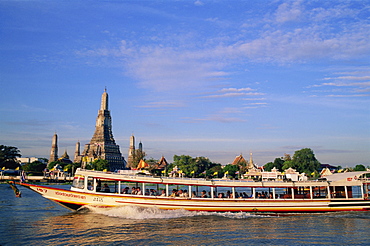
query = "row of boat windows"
x=219 y=192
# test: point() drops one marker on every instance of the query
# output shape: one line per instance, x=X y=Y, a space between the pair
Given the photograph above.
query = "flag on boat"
x=192 y=172
x=17 y=168
x=215 y=173
x=237 y=172
x=105 y=170
x=3 y=168
x=23 y=177
x=164 y=171
x=227 y=172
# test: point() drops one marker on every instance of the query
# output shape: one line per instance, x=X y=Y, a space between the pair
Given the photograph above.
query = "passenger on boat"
x=220 y=195
x=185 y=194
x=203 y=194
x=133 y=191
x=98 y=187
x=138 y=191
x=163 y=193
x=180 y=193
x=106 y=188
x=174 y=193
x=236 y=195
x=153 y=192
x=89 y=186
x=193 y=194
x=228 y=194
x=125 y=190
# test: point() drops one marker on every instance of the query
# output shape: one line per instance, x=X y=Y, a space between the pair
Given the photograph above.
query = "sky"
x=200 y=78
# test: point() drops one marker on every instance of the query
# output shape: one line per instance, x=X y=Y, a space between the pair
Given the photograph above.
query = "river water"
x=33 y=220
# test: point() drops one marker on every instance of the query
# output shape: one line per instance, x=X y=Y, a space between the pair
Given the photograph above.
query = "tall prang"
x=102 y=144
x=54 y=149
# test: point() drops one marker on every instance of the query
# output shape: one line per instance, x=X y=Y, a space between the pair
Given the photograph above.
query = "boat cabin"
x=351 y=185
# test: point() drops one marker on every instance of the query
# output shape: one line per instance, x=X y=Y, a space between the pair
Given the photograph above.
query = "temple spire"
x=104 y=100
x=54 y=149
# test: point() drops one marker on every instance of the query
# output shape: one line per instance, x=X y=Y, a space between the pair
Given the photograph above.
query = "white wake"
x=142 y=213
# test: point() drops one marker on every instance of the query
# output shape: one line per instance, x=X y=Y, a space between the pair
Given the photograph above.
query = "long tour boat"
x=337 y=192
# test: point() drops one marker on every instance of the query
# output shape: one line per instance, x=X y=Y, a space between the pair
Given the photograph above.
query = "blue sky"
x=200 y=78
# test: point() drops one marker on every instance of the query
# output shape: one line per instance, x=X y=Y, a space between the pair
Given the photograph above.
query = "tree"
x=278 y=164
x=231 y=170
x=304 y=161
x=53 y=163
x=35 y=166
x=71 y=168
x=8 y=157
x=197 y=167
x=359 y=167
x=100 y=165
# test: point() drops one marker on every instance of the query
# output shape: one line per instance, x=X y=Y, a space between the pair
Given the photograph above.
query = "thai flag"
x=23 y=177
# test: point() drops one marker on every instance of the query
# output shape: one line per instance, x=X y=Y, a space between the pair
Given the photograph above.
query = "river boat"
x=337 y=192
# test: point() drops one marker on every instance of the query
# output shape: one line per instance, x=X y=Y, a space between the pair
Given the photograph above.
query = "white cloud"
x=163 y=104
x=235 y=94
x=198 y=3
x=289 y=11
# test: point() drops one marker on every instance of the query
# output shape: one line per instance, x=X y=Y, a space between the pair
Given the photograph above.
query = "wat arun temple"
x=102 y=145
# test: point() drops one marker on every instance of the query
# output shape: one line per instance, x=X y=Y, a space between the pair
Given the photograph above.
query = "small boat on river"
x=337 y=192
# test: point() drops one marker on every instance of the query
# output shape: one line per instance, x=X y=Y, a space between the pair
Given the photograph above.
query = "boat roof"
x=343 y=176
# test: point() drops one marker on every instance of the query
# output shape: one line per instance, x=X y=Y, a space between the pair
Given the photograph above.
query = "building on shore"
x=241 y=161
x=102 y=144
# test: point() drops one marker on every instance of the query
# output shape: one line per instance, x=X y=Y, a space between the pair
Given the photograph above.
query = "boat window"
x=106 y=186
x=302 y=192
x=354 y=191
x=319 y=192
x=78 y=182
x=337 y=192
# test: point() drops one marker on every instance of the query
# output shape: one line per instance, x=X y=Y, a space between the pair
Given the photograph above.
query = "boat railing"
x=201 y=180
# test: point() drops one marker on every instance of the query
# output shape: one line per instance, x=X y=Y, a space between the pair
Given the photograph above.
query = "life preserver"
x=349 y=179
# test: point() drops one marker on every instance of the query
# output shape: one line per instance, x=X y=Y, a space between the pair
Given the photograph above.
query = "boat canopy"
x=344 y=176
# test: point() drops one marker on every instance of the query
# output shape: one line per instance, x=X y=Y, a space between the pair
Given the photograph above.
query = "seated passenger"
x=138 y=191
x=174 y=193
x=163 y=193
x=106 y=188
x=125 y=190
x=180 y=193
x=220 y=195
x=228 y=194
x=193 y=194
x=203 y=194
x=185 y=194
x=133 y=191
